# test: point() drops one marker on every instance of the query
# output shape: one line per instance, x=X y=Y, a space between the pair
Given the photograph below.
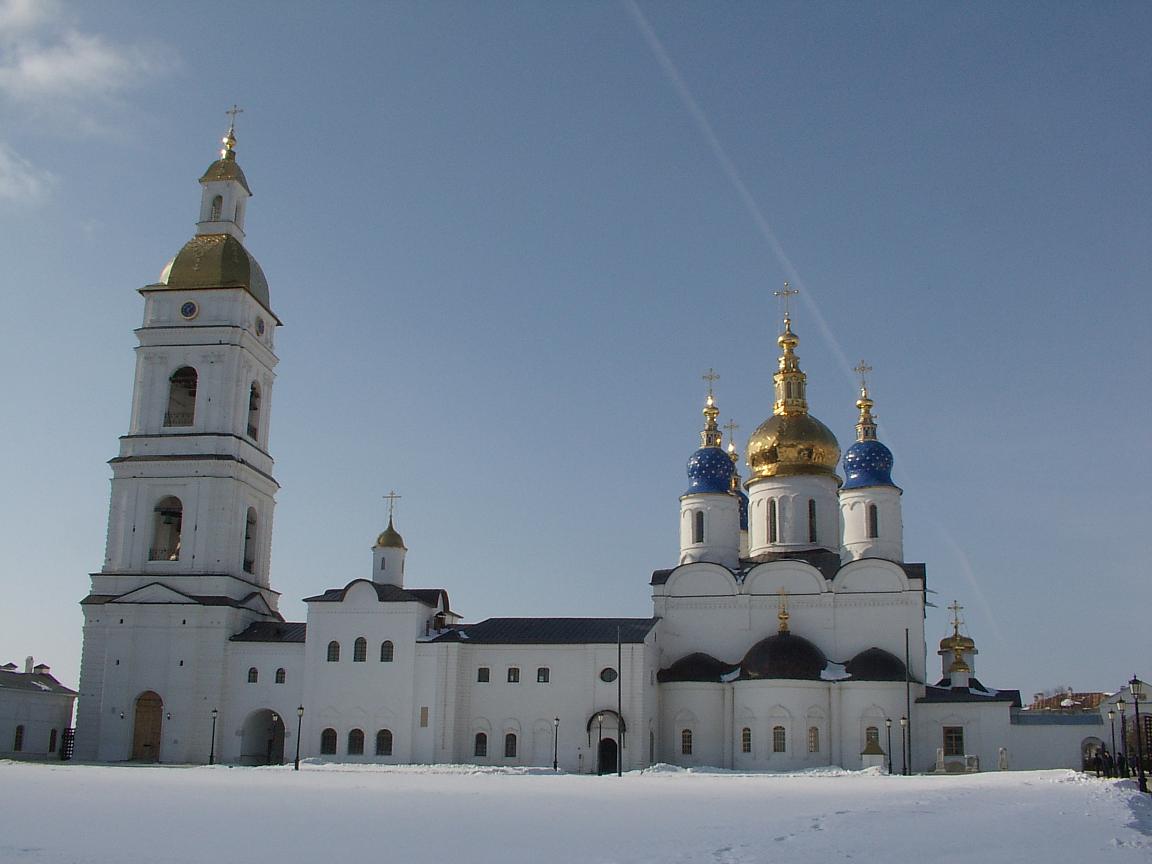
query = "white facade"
x=35 y=711
x=789 y=635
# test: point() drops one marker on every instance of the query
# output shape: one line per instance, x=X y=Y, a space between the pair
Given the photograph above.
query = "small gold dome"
x=390 y=538
x=215 y=261
x=790 y=444
x=956 y=640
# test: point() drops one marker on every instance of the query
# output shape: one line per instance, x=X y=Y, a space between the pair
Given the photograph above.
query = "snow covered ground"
x=333 y=814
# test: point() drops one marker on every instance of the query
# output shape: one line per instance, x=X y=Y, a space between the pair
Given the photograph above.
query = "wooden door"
x=146 y=728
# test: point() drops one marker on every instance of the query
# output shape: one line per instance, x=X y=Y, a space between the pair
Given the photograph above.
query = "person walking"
x=1109 y=765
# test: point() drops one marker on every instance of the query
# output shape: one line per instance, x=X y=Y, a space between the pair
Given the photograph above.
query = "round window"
x=608 y=675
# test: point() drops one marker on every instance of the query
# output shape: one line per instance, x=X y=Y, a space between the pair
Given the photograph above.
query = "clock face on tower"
x=189 y=310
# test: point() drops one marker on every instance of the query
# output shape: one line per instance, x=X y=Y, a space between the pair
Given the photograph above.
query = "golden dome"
x=956 y=640
x=215 y=261
x=791 y=441
x=390 y=538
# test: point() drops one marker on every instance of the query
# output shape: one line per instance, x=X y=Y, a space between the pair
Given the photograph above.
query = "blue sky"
x=507 y=239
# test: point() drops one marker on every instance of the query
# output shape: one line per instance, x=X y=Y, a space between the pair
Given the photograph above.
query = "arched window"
x=167 y=522
x=333 y=651
x=811 y=520
x=360 y=650
x=510 y=745
x=698 y=526
x=356 y=742
x=384 y=743
x=280 y=676
x=387 y=651
x=253 y=675
x=813 y=739
x=239 y=213
x=778 y=739
x=217 y=206
x=745 y=740
x=872 y=736
x=18 y=741
x=250 y=541
x=686 y=742
x=328 y=742
x=481 y=746
x=181 y=398
x=254 y=411
x=772 y=527
x=873 y=522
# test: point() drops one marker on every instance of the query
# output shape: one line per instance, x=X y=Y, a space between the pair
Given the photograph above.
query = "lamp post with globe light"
x=555 y=743
x=888 y=728
x=299 y=720
x=1136 y=687
x=904 y=744
x=212 y=747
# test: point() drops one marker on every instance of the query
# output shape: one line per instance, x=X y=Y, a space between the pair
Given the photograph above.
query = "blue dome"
x=709 y=470
x=867 y=463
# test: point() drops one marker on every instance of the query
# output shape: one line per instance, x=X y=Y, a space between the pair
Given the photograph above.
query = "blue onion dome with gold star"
x=791 y=442
x=867 y=462
x=710 y=468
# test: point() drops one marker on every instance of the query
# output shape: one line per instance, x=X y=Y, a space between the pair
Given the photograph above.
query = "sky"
x=507 y=239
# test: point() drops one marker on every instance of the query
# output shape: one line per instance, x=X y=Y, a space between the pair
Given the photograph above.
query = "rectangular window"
x=542 y=675
x=813 y=739
x=423 y=716
x=953 y=740
x=482 y=674
x=745 y=740
x=513 y=674
x=778 y=739
x=686 y=742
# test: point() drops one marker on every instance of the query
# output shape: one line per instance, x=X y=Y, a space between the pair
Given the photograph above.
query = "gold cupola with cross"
x=791 y=441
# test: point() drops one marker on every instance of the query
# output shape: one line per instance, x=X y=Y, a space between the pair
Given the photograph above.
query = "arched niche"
x=793 y=577
x=701 y=579
x=870 y=576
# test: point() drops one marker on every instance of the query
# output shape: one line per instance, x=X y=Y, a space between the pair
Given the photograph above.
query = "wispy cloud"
x=20 y=180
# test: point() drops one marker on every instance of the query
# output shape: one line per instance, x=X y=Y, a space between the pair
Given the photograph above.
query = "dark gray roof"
x=976 y=692
x=272 y=631
x=550 y=631
x=387 y=594
x=33 y=682
x=201 y=599
x=828 y=563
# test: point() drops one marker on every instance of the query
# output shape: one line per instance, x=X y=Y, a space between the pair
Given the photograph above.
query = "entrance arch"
x=147 y=725
x=262 y=739
x=607 y=754
x=1089 y=747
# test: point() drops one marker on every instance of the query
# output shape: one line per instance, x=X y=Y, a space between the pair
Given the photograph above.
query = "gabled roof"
x=157 y=594
x=387 y=594
x=273 y=631
x=551 y=631
x=975 y=692
x=32 y=682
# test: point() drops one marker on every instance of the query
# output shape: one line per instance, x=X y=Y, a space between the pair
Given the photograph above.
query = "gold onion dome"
x=226 y=167
x=390 y=538
x=216 y=261
x=956 y=640
x=791 y=441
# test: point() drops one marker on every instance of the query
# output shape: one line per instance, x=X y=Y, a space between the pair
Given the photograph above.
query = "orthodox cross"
x=391 y=497
x=232 y=112
x=710 y=377
x=783 y=297
x=862 y=369
x=730 y=427
x=955 y=609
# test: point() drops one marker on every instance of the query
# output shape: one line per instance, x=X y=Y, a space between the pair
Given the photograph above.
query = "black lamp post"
x=1136 y=686
x=888 y=728
x=599 y=741
x=1112 y=726
x=212 y=747
x=555 y=743
x=1122 y=706
x=299 y=719
x=904 y=744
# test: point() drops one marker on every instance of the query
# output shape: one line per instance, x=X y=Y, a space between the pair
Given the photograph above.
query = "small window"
x=360 y=650
x=481 y=745
x=387 y=651
x=384 y=743
x=813 y=739
x=328 y=742
x=18 y=741
x=542 y=675
x=333 y=651
x=686 y=742
x=811 y=520
x=872 y=736
x=608 y=675
x=873 y=522
x=778 y=739
x=280 y=676
x=217 y=206
x=953 y=740
x=254 y=411
x=483 y=675
x=250 y=541
x=745 y=740
x=510 y=746
x=52 y=741
x=513 y=674
x=423 y=716
x=356 y=742
x=253 y=675
x=698 y=526
x=772 y=532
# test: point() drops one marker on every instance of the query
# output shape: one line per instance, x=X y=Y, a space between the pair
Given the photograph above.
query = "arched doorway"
x=606 y=756
x=147 y=722
x=1089 y=747
x=262 y=739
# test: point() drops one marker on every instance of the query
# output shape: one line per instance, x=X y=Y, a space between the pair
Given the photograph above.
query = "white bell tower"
x=190 y=518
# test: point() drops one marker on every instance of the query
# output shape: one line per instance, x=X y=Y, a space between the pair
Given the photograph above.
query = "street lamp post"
x=1122 y=706
x=212 y=747
x=1137 y=688
x=1112 y=726
x=555 y=743
x=904 y=744
x=888 y=729
x=599 y=741
x=299 y=720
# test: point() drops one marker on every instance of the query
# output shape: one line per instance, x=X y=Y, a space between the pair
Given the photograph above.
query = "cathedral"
x=790 y=633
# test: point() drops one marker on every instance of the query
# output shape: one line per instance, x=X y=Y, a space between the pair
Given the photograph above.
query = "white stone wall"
x=792 y=495
x=889 y=542
x=40 y=713
x=721 y=537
